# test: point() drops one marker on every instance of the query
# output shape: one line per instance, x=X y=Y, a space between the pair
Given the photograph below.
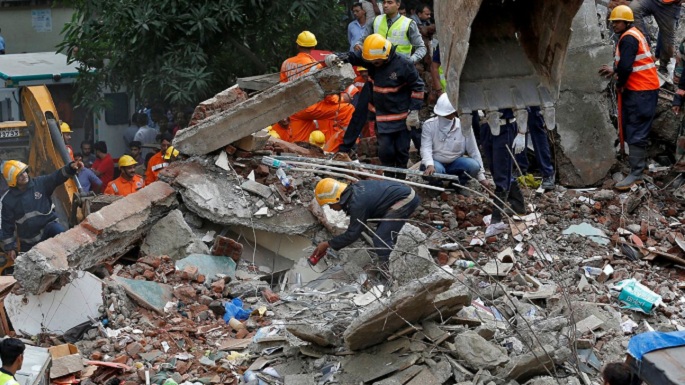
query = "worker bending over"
x=128 y=182
x=27 y=206
x=364 y=200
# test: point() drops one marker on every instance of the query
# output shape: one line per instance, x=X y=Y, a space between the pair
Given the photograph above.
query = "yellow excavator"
x=47 y=152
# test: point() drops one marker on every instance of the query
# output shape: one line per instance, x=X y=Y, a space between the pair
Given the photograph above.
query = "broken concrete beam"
x=478 y=353
x=173 y=237
x=217 y=198
x=262 y=110
x=538 y=362
x=318 y=334
x=408 y=305
x=220 y=102
x=106 y=234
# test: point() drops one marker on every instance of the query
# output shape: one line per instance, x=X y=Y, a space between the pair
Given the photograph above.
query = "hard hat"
x=317 y=138
x=11 y=170
x=443 y=107
x=328 y=191
x=64 y=127
x=170 y=152
x=127 y=160
x=622 y=12
x=306 y=39
x=376 y=47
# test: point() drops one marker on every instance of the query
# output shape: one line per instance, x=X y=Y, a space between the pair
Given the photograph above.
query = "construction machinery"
x=500 y=54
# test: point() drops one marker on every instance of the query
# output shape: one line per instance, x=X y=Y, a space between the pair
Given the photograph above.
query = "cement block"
x=106 y=234
x=262 y=110
x=173 y=237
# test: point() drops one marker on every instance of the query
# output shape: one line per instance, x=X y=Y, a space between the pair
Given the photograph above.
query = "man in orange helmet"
x=27 y=206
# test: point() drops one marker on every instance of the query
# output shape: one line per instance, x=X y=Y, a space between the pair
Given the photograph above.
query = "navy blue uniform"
x=538 y=135
x=31 y=211
x=495 y=149
x=374 y=199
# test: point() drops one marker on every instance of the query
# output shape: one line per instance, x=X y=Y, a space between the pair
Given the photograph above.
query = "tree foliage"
x=183 y=51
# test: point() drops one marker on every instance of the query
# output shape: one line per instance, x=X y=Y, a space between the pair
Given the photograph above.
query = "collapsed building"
x=202 y=277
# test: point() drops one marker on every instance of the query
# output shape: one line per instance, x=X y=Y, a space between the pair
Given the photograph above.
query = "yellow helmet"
x=306 y=39
x=127 y=160
x=622 y=12
x=317 y=138
x=328 y=191
x=11 y=170
x=64 y=127
x=376 y=47
x=360 y=69
x=171 y=152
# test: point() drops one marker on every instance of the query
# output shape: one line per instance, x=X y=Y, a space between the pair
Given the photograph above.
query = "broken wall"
x=585 y=135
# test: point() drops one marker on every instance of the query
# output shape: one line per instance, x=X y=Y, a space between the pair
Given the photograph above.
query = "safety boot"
x=516 y=200
x=548 y=183
x=496 y=225
x=637 y=160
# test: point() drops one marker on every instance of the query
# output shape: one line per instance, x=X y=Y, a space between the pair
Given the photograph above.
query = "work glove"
x=519 y=143
x=331 y=60
x=413 y=120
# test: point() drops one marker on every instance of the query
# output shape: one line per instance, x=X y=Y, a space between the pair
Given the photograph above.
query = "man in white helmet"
x=445 y=146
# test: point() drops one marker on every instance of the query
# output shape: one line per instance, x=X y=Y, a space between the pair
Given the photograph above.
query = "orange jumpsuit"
x=297 y=66
x=123 y=187
x=154 y=166
x=283 y=132
x=333 y=118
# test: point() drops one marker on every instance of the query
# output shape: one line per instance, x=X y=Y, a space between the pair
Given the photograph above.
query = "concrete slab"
x=148 y=294
x=262 y=110
x=59 y=310
x=366 y=367
x=173 y=237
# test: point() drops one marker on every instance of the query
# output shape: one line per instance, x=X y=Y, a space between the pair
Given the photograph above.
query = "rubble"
x=173 y=237
x=478 y=353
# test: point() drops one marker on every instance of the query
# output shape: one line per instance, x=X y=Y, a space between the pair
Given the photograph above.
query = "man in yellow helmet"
x=303 y=63
x=27 y=206
x=397 y=97
x=364 y=200
x=317 y=138
x=12 y=356
x=128 y=182
x=637 y=87
x=66 y=135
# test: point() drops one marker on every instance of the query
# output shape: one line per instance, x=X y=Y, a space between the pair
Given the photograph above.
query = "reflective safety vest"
x=644 y=77
x=6 y=379
x=398 y=34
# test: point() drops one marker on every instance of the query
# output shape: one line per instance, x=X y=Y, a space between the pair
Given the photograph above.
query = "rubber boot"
x=516 y=200
x=637 y=160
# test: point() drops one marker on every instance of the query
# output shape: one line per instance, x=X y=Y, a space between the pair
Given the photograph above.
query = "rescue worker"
x=501 y=137
x=66 y=135
x=128 y=182
x=157 y=162
x=12 y=356
x=27 y=206
x=303 y=63
x=402 y=32
x=637 y=85
x=666 y=13
x=397 y=97
x=364 y=200
x=537 y=133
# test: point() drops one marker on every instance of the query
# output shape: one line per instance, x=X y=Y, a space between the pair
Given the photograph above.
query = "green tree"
x=183 y=51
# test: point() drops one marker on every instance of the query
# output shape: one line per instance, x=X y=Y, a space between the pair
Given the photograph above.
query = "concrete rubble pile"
x=202 y=278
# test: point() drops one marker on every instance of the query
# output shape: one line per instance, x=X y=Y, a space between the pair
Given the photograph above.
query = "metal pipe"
x=335 y=174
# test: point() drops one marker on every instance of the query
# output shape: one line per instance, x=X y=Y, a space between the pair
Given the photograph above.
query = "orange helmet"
x=376 y=47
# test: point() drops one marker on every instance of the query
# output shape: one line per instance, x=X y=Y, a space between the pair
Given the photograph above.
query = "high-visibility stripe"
x=392 y=117
x=8 y=241
x=644 y=67
x=417 y=95
x=33 y=214
x=159 y=166
x=643 y=76
x=115 y=188
x=386 y=90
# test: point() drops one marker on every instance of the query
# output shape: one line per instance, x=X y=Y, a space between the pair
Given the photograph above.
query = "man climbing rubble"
x=398 y=92
x=364 y=200
x=27 y=206
x=637 y=87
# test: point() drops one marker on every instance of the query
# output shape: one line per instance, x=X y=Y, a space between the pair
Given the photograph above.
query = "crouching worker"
x=27 y=206
x=364 y=200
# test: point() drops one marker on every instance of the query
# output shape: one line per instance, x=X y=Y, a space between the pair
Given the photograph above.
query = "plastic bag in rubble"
x=234 y=309
x=636 y=296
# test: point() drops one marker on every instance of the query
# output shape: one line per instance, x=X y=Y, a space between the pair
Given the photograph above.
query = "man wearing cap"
x=303 y=63
x=444 y=146
x=157 y=162
x=27 y=206
x=129 y=182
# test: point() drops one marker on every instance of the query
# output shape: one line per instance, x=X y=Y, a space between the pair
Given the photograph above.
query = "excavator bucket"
x=504 y=53
x=48 y=152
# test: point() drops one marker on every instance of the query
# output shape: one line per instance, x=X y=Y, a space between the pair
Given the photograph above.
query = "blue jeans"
x=465 y=168
x=538 y=135
x=497 y=155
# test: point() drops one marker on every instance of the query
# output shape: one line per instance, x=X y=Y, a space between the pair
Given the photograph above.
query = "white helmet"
x=443 y=107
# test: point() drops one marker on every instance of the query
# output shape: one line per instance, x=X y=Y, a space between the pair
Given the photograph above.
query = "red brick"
x=225 y=246
x=270 y=296
x=242 y=333
x=218 y=286
x=189 y=272
x=154 y=262
x=149 y=275
x=185 y=293
x=230 y=150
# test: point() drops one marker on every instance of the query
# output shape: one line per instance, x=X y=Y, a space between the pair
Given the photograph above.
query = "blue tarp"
x=644 y=343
